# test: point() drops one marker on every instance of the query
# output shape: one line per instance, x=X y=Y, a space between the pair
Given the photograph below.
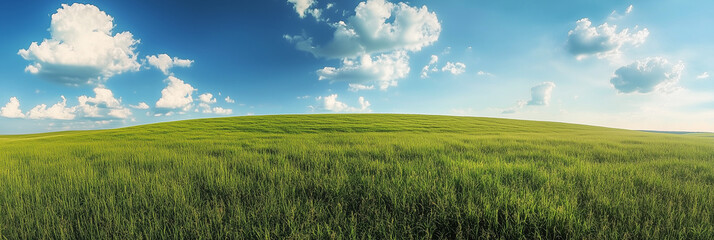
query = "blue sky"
x=102 y=64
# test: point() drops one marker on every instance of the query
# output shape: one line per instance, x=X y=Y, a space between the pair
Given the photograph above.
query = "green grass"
x=357 y=176
x=711 y=135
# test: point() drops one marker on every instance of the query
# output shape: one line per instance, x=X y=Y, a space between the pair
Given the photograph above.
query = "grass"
x=711 y=135
x=355 y=177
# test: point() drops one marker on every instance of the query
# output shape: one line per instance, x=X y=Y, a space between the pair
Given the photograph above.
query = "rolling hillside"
x=357 y=176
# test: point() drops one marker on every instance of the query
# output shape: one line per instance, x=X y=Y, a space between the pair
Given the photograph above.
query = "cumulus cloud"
x=704 y=75
x=102 y=105
x=377 y=26
x=141 y=105
x=207 y=98
x=12 y=109
x=373 y=43
x=104 y=98
x=331 y=103
x=82 y=48
x=364 y=104
x=205 y=101
x=384 y=70
x=601 y=41
x=222 y=111
x=120 y=113
x=647 y=75
x=302 y=6
x=229 y=100
x=541 y=93
x=628 y=10
x=316 y=13
x=454 y=68
x=164 y=62
x=177 y=95
x=58 y=111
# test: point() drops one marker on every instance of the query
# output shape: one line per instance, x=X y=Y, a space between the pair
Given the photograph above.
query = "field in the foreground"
x=357 y=176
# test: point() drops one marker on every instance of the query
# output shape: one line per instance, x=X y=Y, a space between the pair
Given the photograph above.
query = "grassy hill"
x=357 y=176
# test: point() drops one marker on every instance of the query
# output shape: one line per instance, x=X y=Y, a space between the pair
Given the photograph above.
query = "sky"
x=642 y=65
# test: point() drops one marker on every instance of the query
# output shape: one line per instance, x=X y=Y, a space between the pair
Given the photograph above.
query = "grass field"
x=357 y=176
x=711 y=135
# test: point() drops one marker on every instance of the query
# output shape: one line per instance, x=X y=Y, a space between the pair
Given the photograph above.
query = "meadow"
x=369 y=176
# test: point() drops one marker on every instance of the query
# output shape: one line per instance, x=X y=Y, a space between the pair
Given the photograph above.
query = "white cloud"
x=482 y=73
x=12 y=109
x=207 y=98
x=302 y=6
x=316 y=13
x=359 y=87
x=384 y=70
x=614 y=16
x=229 y=100
x=34 y=69
x=182 y=62
x=430 y=67
x=103 y=105
x=103 y=98
x=454 y=68
x=58 y=111
x=433 y=60
x=206 y=108
x=647 y=75
x=177 y=95
x=329 y=5
x=121 y=113
x=519 y=105
x=541 y=93
x=141 y=105
x=222 y=111
x=704 y=75
x=425 y=72
x=89 y=111
x=82 y=48
x=331 y=103
x=364 y=104
x=377 y=36
x=164 y=62
x=602 y=41
x=369 y=31
x=540 y=96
